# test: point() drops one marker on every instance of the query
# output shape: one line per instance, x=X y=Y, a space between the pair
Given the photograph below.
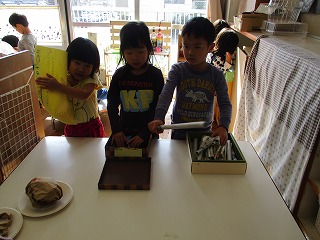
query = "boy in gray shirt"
x=196 y=83
x=27 y=41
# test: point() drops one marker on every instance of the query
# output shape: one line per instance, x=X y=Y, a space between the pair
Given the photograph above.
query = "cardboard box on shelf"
x=237 y=166
x=247 y=22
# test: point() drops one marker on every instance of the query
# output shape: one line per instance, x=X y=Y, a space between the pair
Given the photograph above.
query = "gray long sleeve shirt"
x=195 y=93
x=28 y=42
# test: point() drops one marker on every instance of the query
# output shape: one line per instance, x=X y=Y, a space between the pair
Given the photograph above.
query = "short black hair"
x=134 y=35
x=17 y=18
x=84 y=50
x=226 y=41
x=199 y=27
x=12 y=40
x=220 y=24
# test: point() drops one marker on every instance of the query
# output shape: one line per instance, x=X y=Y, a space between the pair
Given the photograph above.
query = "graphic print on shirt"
x=136 y=100
x=199 y=95
x=196 y=105
x=79 y=110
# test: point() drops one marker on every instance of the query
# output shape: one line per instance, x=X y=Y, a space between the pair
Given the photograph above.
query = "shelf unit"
x=309 y=205
x=158 y=59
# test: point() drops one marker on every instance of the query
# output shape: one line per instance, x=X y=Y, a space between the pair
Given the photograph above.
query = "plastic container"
x=284 y=10
x=285 y=28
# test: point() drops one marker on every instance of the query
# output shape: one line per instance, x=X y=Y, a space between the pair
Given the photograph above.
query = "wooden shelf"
x=315 y=183
x=308 y=223
x=310 y=230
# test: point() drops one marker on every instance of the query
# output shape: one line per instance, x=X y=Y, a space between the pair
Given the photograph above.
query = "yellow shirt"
x=86 y=110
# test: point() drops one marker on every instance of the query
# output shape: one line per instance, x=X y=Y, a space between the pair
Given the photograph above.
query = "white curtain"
x=279 y=111
x=214 y=11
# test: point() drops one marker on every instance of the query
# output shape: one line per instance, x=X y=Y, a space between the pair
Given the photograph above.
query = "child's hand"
x=154 y=126
x=222 y=133
x=119 y=139
x=48 y=82
x=135 y=142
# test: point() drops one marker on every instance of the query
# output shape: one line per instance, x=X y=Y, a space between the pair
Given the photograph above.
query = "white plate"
x=25 y=206
x=17 y=221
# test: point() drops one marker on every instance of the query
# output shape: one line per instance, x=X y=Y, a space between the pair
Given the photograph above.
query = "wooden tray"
x=126 y=174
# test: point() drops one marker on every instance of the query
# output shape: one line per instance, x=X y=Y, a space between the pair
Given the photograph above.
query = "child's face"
x=195 y=50
x=136 y=57
x=19 y=28
x=80 y=70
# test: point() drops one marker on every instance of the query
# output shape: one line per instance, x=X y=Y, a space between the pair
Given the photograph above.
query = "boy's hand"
x=135 y=142
x=119 y=139
x=154 y=126
x=48 y=82
x=222 y=133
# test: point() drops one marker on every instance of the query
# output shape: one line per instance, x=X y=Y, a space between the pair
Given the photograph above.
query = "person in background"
x=195 y=82
x=225 y=45
x=12 y=40
x=222 y=57
x=83 y=83
x=5 y=49
x=27 y=41
x=102 y=94
x=220 y=24
x=135 y=87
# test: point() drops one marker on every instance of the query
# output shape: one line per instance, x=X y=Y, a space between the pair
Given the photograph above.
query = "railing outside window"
x=88 y=16
x=44 y=22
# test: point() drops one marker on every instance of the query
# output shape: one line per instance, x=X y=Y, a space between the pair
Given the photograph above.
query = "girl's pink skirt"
x=93 y=128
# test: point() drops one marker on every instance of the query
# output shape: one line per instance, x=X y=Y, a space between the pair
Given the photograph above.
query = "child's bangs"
x=84 y=56
x=87 y=60
x=132 y=42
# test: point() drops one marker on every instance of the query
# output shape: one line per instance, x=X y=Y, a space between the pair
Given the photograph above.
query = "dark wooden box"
x=126 y=173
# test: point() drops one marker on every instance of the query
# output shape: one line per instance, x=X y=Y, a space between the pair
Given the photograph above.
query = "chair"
x=21 y=126
x=112 y=54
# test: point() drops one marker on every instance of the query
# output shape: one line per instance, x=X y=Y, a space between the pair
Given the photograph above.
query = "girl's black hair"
x=220 y=24
x=199 y=27
x=134 y=35
x=226 y=41
x=84 y=50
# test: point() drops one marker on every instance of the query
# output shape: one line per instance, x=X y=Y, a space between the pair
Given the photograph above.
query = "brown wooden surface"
x=126 y=174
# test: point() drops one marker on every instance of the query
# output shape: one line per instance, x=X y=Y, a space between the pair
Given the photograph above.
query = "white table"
x=180 y=205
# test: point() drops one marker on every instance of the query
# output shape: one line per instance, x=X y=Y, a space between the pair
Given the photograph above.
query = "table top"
x=179 y=205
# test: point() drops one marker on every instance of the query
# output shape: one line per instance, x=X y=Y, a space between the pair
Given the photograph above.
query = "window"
x=174 y=1
x=92 y=14
x=92 y=18
x=48 y=32
x=199 y=4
